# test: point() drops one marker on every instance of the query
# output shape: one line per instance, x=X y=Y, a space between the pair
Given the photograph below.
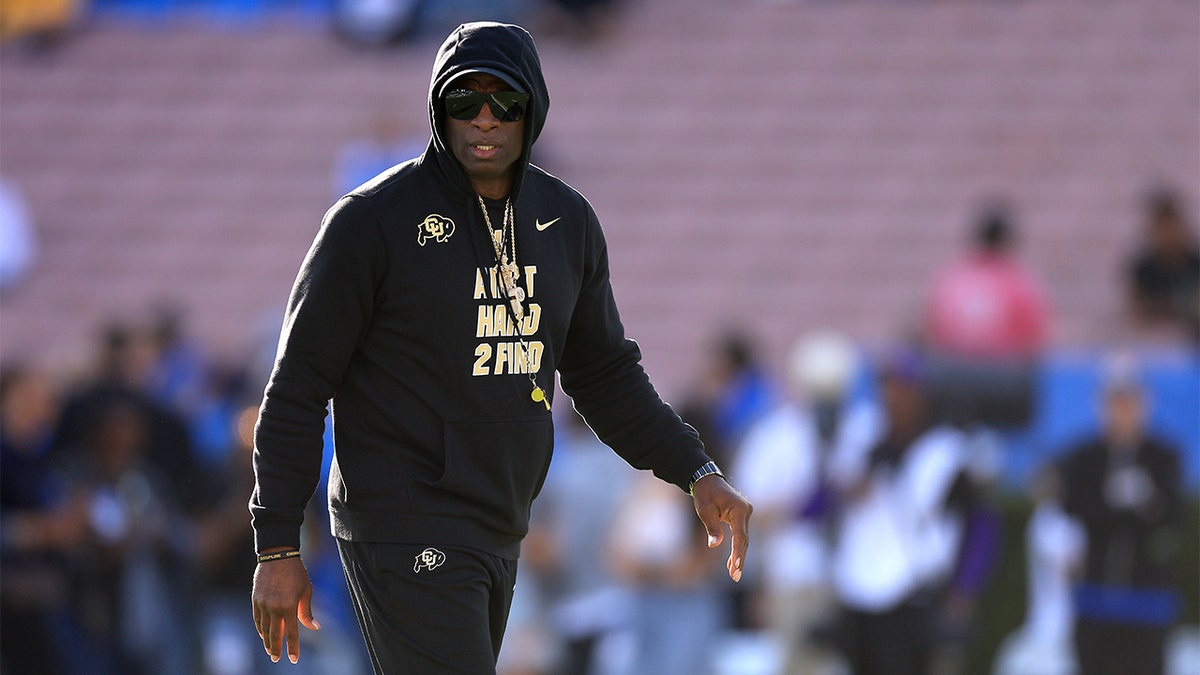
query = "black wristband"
x=278 y=555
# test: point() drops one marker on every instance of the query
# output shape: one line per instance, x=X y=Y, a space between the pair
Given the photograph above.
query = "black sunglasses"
x=507 y=106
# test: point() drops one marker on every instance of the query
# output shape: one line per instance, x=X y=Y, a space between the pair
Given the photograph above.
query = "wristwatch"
x=708 y=469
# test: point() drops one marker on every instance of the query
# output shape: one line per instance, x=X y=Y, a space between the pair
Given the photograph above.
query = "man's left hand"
x=717 y=502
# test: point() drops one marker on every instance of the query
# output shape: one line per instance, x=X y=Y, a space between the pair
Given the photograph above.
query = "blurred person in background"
x=783 y=468
x=178 y=375
x=41 y=524
x=986 y=324
x=434 y=339
x=657 y=551
x=131 y=455
x=987 y=304
x=132 y=585
x=1163 y=276
x=1054 y=544
x=226 y=393
x=1123 y=487
x=572 y=523
x=126 y=359
x=909 y=556
x=734 y=391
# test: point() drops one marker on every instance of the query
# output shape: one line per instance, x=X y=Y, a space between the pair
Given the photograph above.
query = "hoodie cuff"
x=679 y=463
x=275 y=533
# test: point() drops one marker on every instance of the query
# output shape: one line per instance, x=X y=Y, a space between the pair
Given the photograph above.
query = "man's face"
x=486 y=147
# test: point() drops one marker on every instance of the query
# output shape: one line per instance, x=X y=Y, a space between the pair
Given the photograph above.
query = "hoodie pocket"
x=494 y=469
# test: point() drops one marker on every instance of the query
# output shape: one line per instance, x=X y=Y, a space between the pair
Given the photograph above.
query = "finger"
x=262 y=623
x=274 y=640
x=292 y=634
x=304 y=610
x=734 y=564
x=739 y=525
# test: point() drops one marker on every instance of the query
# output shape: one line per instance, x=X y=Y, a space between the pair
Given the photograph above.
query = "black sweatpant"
x=429 y=609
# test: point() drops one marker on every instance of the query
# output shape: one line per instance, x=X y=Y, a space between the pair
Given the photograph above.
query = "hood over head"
x=504 y=50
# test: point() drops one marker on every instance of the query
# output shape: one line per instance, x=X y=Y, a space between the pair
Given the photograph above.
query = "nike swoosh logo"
x=542 y=226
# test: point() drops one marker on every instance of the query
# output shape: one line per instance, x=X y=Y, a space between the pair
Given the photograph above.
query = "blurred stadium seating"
x=779 y=166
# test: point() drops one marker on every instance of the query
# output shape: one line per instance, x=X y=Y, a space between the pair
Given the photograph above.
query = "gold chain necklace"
x=507 y=260
x=507 y=270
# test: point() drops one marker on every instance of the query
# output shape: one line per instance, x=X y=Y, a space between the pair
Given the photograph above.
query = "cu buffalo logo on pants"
x=429 y=559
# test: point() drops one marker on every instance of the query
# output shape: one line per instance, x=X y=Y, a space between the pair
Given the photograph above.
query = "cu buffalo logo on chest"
x=436 y=228
x=429 y=559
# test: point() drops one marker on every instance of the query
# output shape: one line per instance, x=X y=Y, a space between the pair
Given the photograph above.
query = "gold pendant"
x=509 y=272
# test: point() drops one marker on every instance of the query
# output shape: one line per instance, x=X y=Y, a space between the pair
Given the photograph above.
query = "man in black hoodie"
x=433 y=309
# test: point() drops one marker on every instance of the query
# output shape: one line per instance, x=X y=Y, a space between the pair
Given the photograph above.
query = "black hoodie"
x=396 y=317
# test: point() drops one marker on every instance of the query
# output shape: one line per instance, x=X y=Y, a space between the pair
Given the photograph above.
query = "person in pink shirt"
x=988 y=305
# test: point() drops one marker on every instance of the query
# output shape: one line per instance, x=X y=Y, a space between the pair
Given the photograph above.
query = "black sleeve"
x=601 y=371
x=330 y=308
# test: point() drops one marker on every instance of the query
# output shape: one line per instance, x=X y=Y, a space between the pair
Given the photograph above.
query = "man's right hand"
x=282 y=599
